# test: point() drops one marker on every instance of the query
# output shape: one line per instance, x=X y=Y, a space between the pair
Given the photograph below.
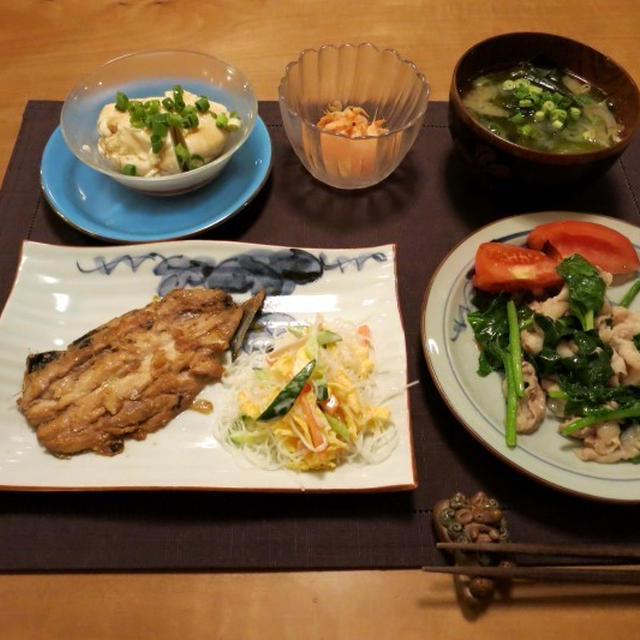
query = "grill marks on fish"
x=130 y=376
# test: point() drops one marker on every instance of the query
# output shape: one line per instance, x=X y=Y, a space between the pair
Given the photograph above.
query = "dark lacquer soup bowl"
x=493 y=155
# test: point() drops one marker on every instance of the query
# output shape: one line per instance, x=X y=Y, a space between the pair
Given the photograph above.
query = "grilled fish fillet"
x=132 y=375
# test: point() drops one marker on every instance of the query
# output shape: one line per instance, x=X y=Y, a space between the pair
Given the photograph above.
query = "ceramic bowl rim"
x=533 y=154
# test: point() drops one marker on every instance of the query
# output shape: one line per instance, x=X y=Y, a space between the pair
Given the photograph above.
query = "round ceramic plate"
x=452 y=357
x=93 y=203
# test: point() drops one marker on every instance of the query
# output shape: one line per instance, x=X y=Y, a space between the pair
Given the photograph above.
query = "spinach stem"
x=629 y=297
x=589 y=321
x=511 y=403
x=632 y=411
x=559 y=394
x=514 y=348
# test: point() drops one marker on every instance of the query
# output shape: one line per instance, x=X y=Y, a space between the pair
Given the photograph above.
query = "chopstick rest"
x=476 y=518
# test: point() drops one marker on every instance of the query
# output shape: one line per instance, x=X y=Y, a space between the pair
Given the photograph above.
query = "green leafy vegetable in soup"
x=544 y=109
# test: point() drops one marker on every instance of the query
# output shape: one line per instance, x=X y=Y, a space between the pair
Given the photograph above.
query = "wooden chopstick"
x=583 y=550
x=615 y=575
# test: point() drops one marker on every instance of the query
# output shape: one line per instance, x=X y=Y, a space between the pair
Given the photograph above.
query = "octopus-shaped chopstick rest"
x=476 y=518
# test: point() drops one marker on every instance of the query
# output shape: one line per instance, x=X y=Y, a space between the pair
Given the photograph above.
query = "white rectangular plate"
x=60 y=293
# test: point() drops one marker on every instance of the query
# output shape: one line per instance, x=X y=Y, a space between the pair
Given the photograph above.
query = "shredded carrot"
x=365 y=333
x=317 y=437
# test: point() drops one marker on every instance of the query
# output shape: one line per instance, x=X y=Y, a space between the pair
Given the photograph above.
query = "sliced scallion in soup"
x=544 y=109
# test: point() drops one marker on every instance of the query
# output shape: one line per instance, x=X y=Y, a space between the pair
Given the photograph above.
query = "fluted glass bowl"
x=380 y=81
x=151 y=73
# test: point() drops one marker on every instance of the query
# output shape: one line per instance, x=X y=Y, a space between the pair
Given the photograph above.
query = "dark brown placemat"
x=425 y=207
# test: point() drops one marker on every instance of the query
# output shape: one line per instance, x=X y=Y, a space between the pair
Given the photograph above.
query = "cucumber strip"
x=288 y=394
x=321 y=390
x=326 y=337
x=339 y=427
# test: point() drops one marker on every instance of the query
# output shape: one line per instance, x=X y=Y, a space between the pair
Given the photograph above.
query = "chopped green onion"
x=152 y=106
x=156 y=143
x=122 y=102
x=195 y=161
x=222 y=120
x=159 y=128
x=559 y=114
x=202 y=104
x=169 y=104
x=178 y=98
x=183 y=155
x=174 y=120
x=135 y=106
x=129 y=169
x=189 y=118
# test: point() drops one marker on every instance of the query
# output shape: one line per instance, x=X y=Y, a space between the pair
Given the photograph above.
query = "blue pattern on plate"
x=277 y=271
x=94 y=203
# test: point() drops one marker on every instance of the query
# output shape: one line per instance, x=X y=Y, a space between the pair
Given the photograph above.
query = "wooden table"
x=45 y=47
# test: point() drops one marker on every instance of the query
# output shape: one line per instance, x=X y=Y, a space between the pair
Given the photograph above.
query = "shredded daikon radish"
x=329 y=419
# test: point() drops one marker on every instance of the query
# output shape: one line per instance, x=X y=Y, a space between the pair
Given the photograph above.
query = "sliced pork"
x=619 y=332
x=532 y=407
x=554 y=307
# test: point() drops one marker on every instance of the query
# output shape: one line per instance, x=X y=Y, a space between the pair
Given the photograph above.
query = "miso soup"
x=544 y=109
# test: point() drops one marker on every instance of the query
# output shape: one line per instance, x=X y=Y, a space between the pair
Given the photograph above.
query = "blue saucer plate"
x=93 y=203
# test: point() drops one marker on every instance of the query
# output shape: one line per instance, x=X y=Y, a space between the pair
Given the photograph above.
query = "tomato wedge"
x=505 y=267
x=598 y=244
